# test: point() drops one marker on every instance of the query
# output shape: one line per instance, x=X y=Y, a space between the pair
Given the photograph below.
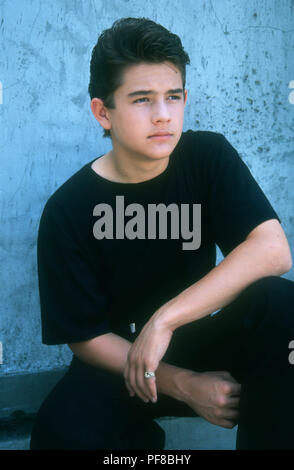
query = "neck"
x=134 y=169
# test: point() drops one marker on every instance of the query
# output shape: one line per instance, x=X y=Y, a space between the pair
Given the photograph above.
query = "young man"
x=133 y=293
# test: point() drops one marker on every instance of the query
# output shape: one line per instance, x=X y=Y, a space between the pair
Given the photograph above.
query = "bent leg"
x=266 y=404
x=250 y=339
x=90 y=409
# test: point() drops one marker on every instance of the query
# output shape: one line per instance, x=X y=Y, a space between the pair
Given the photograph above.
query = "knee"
x=273 y=297
x=63 y=434
x=48 y=432
x=266 y=285
x=57 y=426
x=271 y=289
x=67 y=422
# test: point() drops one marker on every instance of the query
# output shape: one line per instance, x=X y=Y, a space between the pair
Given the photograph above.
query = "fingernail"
x=154 y=400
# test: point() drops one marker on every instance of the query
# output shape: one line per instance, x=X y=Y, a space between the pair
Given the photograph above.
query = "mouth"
x=161 y=135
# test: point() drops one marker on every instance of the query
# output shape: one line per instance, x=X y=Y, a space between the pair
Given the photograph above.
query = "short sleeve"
x=73 y=305
x=237 y=204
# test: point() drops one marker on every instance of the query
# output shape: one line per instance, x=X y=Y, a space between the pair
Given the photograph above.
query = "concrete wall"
x=242 y=61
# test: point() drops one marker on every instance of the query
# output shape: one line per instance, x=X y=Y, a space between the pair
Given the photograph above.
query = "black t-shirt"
x=91 y=286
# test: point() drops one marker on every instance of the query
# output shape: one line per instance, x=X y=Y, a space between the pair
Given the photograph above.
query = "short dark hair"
x=128 y=42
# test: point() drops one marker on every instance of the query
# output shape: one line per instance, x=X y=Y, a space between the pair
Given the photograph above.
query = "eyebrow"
x=151 y=92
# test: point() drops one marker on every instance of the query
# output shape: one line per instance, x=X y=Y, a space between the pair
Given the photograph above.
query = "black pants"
x=91 y=409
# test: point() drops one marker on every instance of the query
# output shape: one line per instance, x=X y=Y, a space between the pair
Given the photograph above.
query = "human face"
x=151 y=100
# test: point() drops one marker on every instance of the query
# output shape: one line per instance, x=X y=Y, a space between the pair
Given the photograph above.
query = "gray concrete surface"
x=181 y=434
x=15 y=435
x=21 y=394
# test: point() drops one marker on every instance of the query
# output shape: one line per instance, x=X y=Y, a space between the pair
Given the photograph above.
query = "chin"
x=163 y=151
x=159 y=154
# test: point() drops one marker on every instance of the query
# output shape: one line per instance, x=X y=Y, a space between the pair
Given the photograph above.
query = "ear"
x=185 y=96
x=100 y=113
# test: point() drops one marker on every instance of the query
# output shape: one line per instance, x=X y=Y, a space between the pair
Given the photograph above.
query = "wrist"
x=182 y=380
x=164 y=317
x=174 y=381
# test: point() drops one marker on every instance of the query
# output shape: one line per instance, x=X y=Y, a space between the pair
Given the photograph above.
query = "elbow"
x=287 y=264
x=273 y=247
x=282 y=259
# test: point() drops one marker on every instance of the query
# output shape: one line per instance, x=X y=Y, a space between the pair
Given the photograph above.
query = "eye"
x=141 y=100
x=174 y=97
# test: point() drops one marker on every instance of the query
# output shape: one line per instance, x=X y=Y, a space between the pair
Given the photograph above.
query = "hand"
x=215 y=396
x=145 y=355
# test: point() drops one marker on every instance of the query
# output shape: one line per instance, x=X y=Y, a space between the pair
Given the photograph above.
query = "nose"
x=160 y=112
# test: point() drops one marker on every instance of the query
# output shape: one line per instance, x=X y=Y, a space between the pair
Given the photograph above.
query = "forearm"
x=110 y=352
x=250 y=261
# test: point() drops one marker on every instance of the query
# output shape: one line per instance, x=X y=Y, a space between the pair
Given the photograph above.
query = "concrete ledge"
x=16 y=444
x=23 y=393
x=181 y=434
x=196 y=434
x=15 y=434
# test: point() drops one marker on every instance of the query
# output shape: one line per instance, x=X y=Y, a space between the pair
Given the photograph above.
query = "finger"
x=225 y=423
x=127 y=376
x=231 y=414
x=126 y=379
x=152 y=389
x=224 y=374
x=135 y=384
x=130 y=390
x=147 y=385
x=140 y=382
x=150 y=383
x=231 y=387
x=227 y=376
x=235 y=389
x=233 y=402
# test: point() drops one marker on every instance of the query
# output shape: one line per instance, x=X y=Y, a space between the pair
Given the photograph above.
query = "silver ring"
x=148 y=375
